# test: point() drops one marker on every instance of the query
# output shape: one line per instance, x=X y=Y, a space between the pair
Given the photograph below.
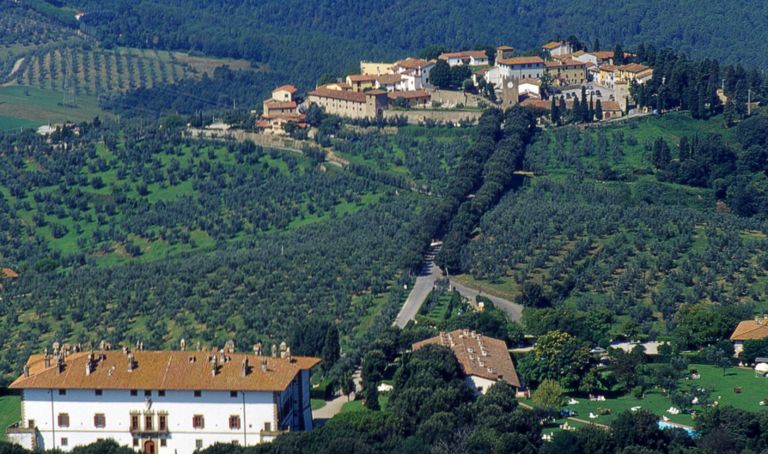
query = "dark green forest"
x=308 y=39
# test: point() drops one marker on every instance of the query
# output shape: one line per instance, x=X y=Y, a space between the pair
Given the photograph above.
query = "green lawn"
x=10 y=412
x=31 y=106
x=357 y=405
x=317 y=404
x=753 y=390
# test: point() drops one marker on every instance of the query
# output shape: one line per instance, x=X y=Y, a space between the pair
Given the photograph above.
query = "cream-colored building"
x=376 y=68
x=503 y=52
x=361 y=82
x=350 y=104
x=556 y=48
x=567 y=71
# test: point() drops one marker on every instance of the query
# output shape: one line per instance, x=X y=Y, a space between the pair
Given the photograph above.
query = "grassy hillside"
x=30 y=106
x=10 y=412
x=598 y=232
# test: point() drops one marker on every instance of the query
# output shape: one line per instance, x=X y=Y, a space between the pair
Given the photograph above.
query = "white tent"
x=761 y=368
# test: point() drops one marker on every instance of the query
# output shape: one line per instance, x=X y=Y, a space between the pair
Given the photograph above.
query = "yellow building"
x=567 y=71
x=361 y=82
x=634 y=71
x=376 y=68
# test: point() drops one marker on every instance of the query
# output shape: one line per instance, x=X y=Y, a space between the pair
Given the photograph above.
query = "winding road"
x=425 y=282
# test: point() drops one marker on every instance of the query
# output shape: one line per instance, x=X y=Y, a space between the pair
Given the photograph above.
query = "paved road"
x=425 y=282
x=333 y=407
x=513 y=311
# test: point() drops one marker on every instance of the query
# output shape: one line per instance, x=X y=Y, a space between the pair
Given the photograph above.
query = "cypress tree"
x=554 y=113
x=591 y=108
x=599 y=110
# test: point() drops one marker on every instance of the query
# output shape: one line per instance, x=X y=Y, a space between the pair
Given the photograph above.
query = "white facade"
x=587 y=57
x=522 y=71
x=68 y=418
x=413 y=77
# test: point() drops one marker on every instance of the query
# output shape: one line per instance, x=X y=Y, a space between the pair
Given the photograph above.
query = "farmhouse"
x=521 y=67
x=634 y=72
x=756 y=329
x=485 y=360
x=467 y=57
x=161 y=401
x=279 y=110
x=351 y=104
x=388 y=82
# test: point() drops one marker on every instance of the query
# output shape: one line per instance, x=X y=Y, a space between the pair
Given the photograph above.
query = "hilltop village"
x=458 y=85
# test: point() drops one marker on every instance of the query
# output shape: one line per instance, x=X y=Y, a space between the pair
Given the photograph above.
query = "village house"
x=414 y=73
x=413 y=99
x=520 y=67
x=606 y=75
x=388 y=82
x=484 y=360
x=556 y=48
x=634 y=72
x=350 y=104
x=161 y=401
x=467 y=57
x=361 y=82
x=756 y=329
x=567 y=72
x=279 y=110
x=505 y=52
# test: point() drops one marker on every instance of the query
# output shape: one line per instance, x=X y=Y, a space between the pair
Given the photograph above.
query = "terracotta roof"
x=579 y=53
x=361 y=77
x=634 y=68
x=536 y=82
x=353 y=96
x=464 y=53
x=520 y=61
x=9 y=273
x=413 y=63
x=389 y=79
x=603 y=54
x=553 y=45
x=536 y=104
x=610 y=106
x=478 y=355
x=408 y=94
x=275 y=104
x=608 y=68
x=505 y=48
x=289 y=88
x=168 y=370
x=750 y=330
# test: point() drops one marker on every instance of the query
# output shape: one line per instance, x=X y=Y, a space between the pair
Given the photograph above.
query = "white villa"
x=161 y=401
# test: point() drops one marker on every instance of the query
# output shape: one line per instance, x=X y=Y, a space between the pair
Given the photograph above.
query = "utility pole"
x=749 y=102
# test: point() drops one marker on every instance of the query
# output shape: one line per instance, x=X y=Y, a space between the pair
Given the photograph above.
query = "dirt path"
x=16 y=67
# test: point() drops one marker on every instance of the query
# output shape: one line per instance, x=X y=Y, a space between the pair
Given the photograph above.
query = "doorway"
x=149 y=447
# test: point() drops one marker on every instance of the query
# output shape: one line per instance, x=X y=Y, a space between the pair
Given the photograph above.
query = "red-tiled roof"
x=288 y=87
x=362 y=77
x=478 y=355
x=520 y=61
x=505 y=48
x=9 y=273
x=389 y=79
x=170 y=370
x=352 y=96
x=464 y=54
x=750 y=330
x=634 y=68
x=412 y=63
x=281 y=105
x=553 y=45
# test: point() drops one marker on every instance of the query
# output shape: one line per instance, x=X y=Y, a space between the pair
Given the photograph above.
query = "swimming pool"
x=667 y=425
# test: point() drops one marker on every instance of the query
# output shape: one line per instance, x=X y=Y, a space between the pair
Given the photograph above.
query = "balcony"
x=26 y=437
x=146 y=431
